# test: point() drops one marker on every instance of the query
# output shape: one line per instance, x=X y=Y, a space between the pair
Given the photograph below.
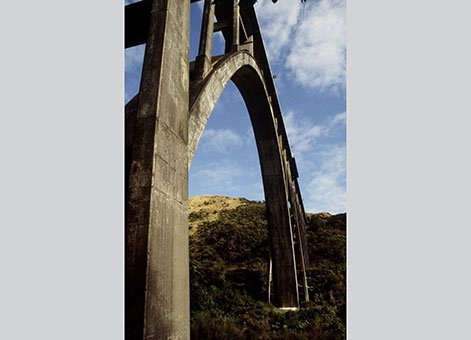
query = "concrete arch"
x=207 y=92
x=243 y=70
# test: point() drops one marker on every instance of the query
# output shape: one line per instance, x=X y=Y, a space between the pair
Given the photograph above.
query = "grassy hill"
x=229 y=253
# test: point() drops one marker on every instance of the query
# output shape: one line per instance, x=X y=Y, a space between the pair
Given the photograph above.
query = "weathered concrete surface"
x=203 y=60
x=161 y=138
x=157 y=271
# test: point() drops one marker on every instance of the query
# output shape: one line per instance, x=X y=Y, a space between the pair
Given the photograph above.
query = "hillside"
x=207 y=208
x=228 y=269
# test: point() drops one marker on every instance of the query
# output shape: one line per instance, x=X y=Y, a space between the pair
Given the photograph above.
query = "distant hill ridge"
x=212 y=205
x=208 y=208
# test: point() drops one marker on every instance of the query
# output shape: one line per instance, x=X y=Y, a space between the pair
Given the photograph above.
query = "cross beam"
x=137 y=18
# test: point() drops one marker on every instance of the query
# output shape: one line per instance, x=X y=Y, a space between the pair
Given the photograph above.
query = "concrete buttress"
x=157 y=271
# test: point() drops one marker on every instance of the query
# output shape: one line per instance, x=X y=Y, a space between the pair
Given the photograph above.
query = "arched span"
x=242 y=68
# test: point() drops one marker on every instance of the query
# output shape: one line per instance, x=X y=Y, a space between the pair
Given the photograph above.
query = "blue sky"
x=306 y=49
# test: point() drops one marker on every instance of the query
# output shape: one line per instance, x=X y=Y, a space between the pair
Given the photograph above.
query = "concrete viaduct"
x=163 y=125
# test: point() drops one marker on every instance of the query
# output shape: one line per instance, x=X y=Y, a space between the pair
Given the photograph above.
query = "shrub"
x=228 y=277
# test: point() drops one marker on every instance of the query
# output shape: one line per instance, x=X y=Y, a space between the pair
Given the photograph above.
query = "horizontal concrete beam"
x=218 y=26
x=136 y=23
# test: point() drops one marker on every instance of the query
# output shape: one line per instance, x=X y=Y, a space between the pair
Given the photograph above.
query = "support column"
x=157 y=261
x=203 y=60
x=296 y=215
x=285 y=283
x=304 y=255
x=235 y=26
x=302 y=251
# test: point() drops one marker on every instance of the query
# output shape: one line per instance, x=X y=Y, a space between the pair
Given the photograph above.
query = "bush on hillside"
x=228 y=274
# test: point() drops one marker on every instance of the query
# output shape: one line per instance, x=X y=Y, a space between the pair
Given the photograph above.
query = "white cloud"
x=303 y=135
x=311 y=45
x=278 y=22
x=317 y=57
x=222 y=140
x=217 y=176
x=326 y=190
x=228 y=178
x=339 y=118
x=320 y=161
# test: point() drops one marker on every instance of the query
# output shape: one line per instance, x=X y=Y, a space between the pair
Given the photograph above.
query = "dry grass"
x=207 y=208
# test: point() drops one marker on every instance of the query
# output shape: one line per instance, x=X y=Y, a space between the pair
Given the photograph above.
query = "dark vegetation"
x=228 y=269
